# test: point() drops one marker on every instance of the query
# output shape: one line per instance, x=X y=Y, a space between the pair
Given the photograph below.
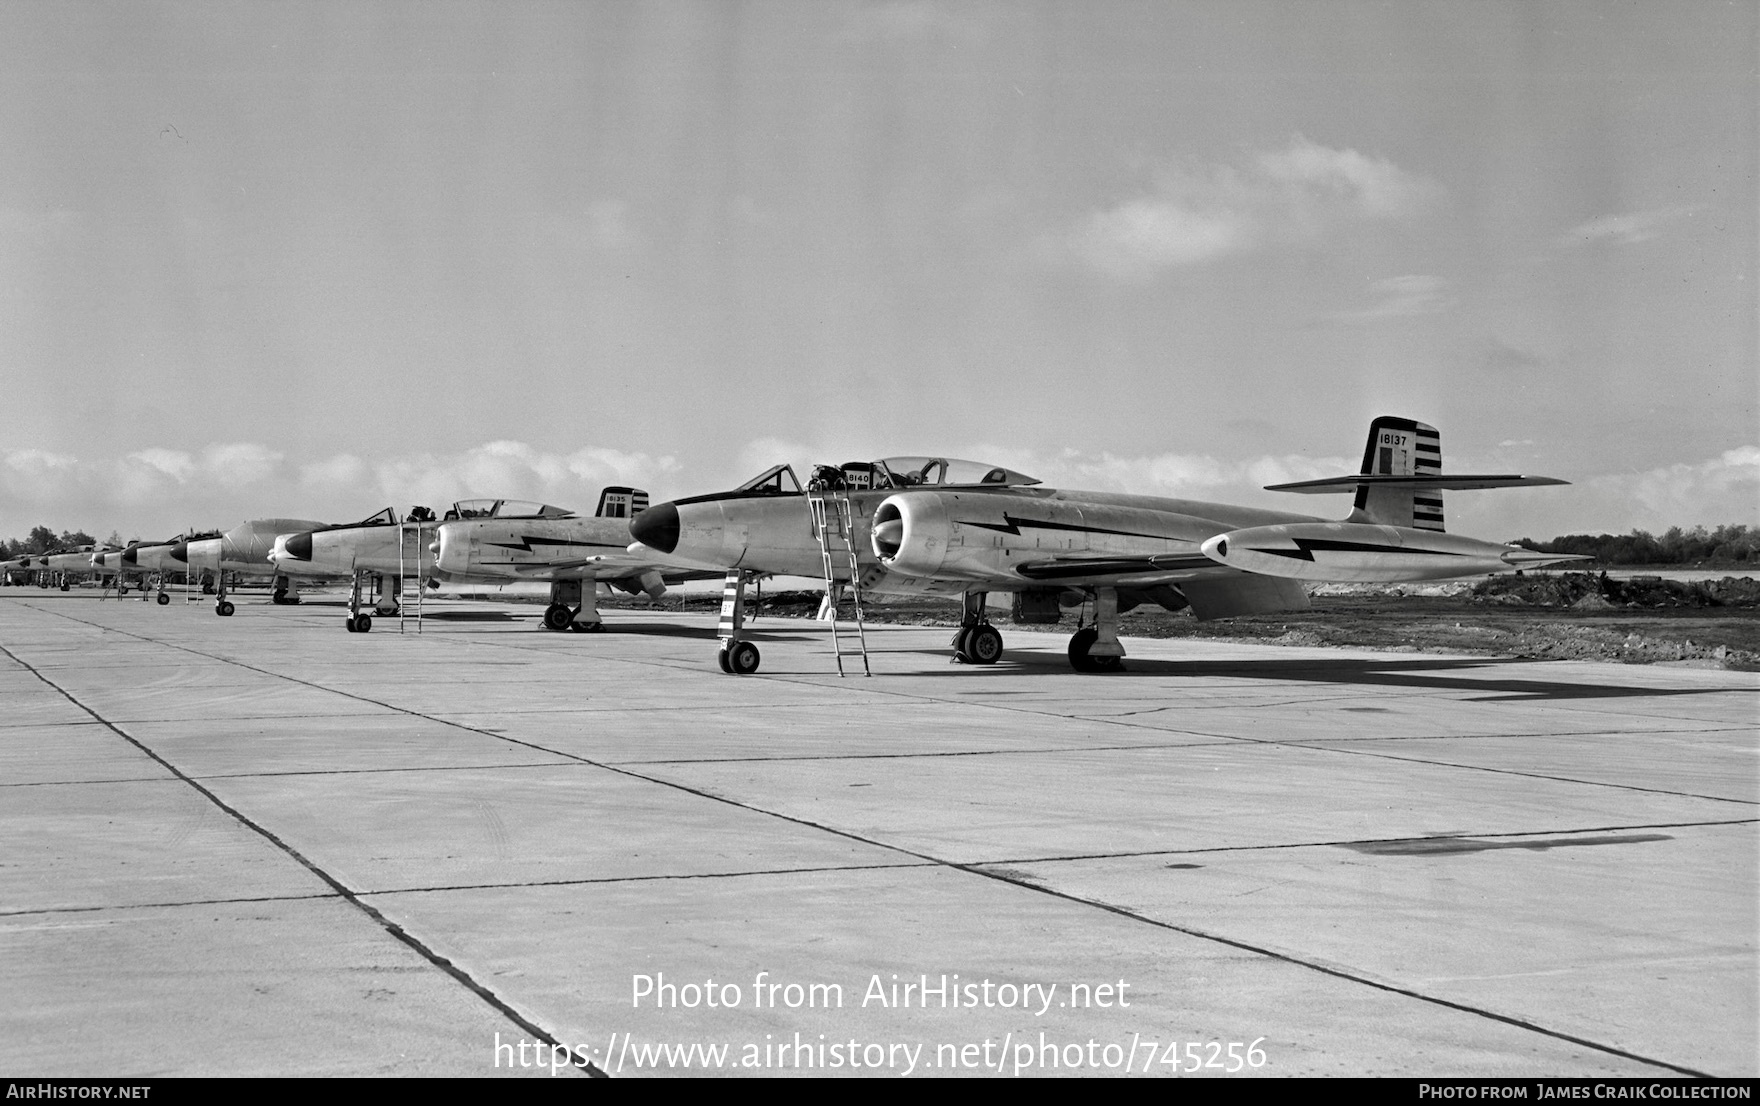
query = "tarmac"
x=259 y=845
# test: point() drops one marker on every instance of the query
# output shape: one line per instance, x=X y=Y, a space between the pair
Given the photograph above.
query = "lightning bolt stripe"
x=1305 y=548
x=527 y=541
x=1012 y=525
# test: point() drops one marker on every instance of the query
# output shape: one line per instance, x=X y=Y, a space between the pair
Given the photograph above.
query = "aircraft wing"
x=1436 y=482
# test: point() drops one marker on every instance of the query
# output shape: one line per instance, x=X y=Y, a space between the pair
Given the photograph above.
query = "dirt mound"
x=1589 y=591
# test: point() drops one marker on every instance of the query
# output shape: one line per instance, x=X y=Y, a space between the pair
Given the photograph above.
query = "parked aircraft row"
x=901 y=526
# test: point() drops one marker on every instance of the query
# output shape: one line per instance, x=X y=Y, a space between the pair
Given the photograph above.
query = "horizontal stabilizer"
x=1437 y=482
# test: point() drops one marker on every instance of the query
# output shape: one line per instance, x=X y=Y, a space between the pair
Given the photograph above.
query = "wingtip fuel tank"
x=1366 y=553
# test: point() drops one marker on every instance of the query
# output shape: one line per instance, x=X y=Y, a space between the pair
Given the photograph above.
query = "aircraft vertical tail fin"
x=1402 y=482
x=1401 y=447
x=618 y=502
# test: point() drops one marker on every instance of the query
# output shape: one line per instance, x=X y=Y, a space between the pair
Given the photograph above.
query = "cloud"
x=344 y=470
x=1500 y=357
x=36 y=462
x=1177 y=475
x=1139 y=239
x=1624 y=230
x=1723 y=489
x=515 y=470
x=175 y=463
x=1192 y=215
x=159 y=490
x=239 y=463
x=1401 y=297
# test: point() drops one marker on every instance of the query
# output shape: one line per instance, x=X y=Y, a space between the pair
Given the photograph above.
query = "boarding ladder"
x=410 y=555
x=834 y=526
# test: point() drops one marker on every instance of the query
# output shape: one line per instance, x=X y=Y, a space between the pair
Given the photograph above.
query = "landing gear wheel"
x=721 y=659
x=557 y=617
x=1079 y=644
x=208 y=587
x=983 y=644
x=224 y=610
x=1082 y=661
x=66 y=587
x=350 y=623
x=961 y=641
x=586 y=627
x=363 y=623
x=742 y=658
x=163 y=598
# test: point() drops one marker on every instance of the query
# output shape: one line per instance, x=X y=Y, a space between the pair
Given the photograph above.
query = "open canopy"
x=921 y=472
x=504 y=508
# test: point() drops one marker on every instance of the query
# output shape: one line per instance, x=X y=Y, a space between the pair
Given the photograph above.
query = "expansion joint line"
x=968 y=868
x=341 y=889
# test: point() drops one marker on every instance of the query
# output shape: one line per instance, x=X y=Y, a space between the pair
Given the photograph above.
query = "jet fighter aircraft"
x=934 y=526
x=377 y=553
x=242 y=550
x=65 y=564
x=143 y=561
x=573 y=554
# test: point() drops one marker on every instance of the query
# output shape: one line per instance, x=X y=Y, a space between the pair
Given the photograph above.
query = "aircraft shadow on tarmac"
x=1375 y=671
x=1448 y=846
x=701 y=633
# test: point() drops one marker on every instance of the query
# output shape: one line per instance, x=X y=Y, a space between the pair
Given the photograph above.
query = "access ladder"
x=834 y=526
x=410 y=555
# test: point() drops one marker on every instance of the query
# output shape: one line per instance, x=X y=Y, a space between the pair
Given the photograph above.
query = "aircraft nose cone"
x=657 y=528
x=180 y=552
x=299 y=546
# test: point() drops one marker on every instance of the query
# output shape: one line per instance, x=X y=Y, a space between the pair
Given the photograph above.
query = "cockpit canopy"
x=918 y=472
x=779 y=480
x=889 y=473
x=504 y=508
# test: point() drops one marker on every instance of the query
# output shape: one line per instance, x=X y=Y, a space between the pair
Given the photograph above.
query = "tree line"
x=42 y=540
x=1726 y=545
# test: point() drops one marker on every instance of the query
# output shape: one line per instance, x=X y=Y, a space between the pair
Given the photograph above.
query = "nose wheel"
x=738 y=658
x=360 y=624
x=978 y=645
x=223 y=608
x=977 y=642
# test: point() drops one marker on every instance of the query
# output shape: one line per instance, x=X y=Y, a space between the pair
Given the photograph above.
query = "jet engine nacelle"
x=1365 y=552
x=977 y=535
x=911 y=533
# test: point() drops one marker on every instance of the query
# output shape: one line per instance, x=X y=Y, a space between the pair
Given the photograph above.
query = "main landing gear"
x=1096 y=648
x=574 y=605
x=222 y=605
x=976 y=642
x=286 y=593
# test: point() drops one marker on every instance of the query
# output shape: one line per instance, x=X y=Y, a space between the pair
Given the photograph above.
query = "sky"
x=309 y=259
